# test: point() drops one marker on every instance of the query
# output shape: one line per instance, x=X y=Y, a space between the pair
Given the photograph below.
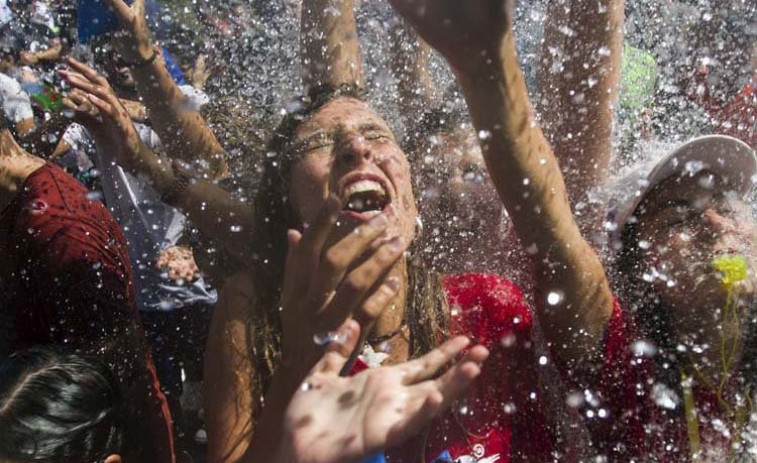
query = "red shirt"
x=66 y=280
x=648 y=405
x=738 y=117
x=503 y=417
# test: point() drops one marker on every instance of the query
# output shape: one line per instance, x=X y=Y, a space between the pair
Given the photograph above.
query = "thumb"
x=338 y=352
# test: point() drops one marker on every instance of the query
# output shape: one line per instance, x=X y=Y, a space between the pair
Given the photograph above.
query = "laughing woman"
x=336 y=213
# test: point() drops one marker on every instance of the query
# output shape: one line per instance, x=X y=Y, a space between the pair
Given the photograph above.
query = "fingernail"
x=396 y=244
x=378 y=221
x=393 y=283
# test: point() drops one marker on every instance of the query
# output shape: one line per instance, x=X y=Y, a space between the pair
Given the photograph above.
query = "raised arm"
x=476 y=37
x=578 y=78
x=410 y=64
x=184 y=133
x=209 y=206
x=330 y=46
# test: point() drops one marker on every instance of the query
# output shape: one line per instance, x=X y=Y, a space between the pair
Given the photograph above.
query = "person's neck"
x=393 y=318
x=15 y=166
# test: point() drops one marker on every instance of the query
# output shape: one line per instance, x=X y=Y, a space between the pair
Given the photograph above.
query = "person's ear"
x=113 y=459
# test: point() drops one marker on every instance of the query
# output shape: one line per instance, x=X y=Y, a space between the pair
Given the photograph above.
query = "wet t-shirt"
x=501 y=419
x=66 y=281
x=655 y=411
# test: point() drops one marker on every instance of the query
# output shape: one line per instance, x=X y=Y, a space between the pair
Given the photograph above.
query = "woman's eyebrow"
x=366 y=126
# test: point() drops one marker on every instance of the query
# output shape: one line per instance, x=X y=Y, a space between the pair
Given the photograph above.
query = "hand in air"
x=335 y=419
x=463 y=31
x=179 y=263
x=133 y=41
x=107 y=114
x=324 y=284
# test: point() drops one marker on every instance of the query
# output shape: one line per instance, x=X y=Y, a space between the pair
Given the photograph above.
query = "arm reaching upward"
x=331 y=50
x=410 y=62
x=579 y=76
x=476 y=37
x=210 y=207
x=184 y=133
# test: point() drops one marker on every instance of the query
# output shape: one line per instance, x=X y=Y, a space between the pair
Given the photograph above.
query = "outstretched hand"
x=133 y=41
x=100 y=109
x=335 y=419
x=465 y=32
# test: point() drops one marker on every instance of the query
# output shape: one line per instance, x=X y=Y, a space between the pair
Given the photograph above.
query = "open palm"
x=341 y=419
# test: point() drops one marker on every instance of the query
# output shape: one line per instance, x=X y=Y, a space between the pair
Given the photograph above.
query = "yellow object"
x=732 y=268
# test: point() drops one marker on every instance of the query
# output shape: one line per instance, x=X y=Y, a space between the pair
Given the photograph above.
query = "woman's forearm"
x=579 y=77
x=530 y=184
x=410 y=62
x=331 y=50
x=184 y=133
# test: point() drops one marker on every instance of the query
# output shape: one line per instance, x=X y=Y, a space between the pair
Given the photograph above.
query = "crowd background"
x=689 y=68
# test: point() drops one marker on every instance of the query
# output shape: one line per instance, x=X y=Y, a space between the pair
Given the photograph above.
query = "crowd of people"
x=183 y=280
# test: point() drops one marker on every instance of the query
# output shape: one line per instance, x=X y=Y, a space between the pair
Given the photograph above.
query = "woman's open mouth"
x=364 y=197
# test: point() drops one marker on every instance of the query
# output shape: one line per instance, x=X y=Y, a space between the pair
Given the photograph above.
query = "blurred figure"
x=686 y=256
x=59 y=407
x=66 y=281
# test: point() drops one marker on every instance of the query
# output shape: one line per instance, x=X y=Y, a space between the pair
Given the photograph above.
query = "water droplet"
x=644 y=348
x=323 y=339
x=665 y=397
x=235 y=228
x=484 y=135
x=554 y=297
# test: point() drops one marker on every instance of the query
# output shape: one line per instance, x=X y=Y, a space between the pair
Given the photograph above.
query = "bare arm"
x=331 y=50
x=522 y=165
x=410 y=62
x=228 y=373
x=184 y=133
x=210 y=207
x=579 y=77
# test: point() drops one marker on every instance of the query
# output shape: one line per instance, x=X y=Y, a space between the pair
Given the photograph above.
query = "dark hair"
x=58 y=407
x=427 y=314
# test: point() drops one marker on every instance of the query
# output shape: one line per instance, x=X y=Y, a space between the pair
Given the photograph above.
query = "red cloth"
x=66 y=281
x=502 y=417
x=642 y=426
x=737 y=117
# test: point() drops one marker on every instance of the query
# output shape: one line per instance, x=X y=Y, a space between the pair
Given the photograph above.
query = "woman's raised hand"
x=98 y=104
x=324 y=284
x=335 y=419
x=463 y=31
x=134 y=41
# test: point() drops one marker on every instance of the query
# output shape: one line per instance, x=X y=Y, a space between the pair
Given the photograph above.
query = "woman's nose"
x=353 y=148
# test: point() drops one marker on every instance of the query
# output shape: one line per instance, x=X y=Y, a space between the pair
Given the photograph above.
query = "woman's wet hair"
x=57 y=406
x=427 y=312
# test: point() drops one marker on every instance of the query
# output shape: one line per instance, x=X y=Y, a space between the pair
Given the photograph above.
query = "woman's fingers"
x=359 y=288
x=314 y=237
x=339 y=351
x=336 y=260
x=87 y=72
x=426 y=367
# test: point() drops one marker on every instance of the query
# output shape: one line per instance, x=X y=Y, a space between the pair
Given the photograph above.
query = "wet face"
x=347 y=150
x=685 y=224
